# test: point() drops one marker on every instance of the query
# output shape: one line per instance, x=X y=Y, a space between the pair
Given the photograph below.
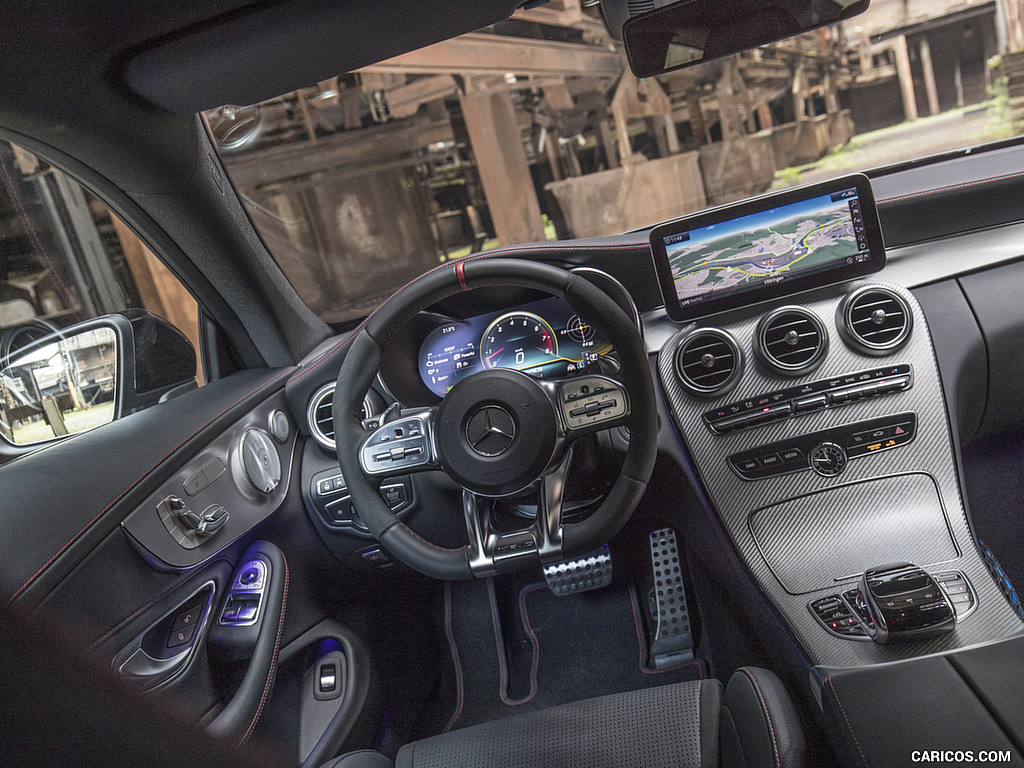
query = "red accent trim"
x=460 y=273
x=144 y=475
x=268 y=686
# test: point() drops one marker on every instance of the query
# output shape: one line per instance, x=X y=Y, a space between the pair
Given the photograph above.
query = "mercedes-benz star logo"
x=490 y=431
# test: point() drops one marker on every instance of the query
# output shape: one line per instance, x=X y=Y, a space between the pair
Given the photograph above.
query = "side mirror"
x=80 y=377
x=688 y=32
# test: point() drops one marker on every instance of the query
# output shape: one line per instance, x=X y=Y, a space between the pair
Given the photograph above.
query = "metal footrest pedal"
x=672 y=642
x=581 y=574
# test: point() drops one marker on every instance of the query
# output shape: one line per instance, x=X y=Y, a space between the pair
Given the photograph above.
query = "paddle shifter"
x=905 y=603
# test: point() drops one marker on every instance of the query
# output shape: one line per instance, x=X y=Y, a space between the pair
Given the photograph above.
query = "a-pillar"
x=906 y=78
x=494 y=134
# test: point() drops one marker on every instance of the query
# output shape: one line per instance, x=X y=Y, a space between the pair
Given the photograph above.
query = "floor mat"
x=528 y=649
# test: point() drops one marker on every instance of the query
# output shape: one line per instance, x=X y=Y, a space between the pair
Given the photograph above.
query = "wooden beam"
x=604 y=134
x=906 y=78
x=500 y=160
x=345 y=148
x=161 y=292
x=929 y=77
x=405 y=100
x=480 y=53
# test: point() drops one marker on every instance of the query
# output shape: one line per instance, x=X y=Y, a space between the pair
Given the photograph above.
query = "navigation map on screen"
x=767 y=247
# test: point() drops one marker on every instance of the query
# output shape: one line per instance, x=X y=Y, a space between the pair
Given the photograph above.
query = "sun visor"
x=266 y=49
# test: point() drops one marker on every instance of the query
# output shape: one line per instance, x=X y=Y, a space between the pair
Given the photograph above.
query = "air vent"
x=708 y=361
x=791 y=340
x=321 y=419
x=875 y=320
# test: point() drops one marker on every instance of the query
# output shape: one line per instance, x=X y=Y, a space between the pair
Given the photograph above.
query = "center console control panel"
x=828 y=451
x=806 y=398
x=848 y=615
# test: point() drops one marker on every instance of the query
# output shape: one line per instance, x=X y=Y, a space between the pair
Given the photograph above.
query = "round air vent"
x=708 y=361
x=875 y=320
x=321 y=419
x=791 y=340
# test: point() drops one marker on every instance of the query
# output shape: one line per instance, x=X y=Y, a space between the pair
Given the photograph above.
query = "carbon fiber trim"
x=813 y=542
x=928 y=458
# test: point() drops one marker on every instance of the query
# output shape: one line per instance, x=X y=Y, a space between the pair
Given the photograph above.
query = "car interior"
x=741 y=488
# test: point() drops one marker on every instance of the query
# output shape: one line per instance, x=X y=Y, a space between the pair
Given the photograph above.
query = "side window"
x=92 y=325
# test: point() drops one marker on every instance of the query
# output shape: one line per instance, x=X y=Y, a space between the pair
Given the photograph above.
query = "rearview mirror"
x=690 y=32
x=77 y=378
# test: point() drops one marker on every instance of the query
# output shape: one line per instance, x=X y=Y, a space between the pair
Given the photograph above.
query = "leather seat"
x=687 y=725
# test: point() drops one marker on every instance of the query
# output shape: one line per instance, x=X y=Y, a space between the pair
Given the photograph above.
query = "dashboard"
x=543 y=338
x=819 y=459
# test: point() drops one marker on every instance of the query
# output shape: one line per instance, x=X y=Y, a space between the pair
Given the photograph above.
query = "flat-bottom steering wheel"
x=498 y=432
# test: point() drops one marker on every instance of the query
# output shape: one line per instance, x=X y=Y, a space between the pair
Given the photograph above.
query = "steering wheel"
x=498 y=432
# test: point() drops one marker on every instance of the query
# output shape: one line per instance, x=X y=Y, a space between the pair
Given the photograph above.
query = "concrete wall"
x=641 y=193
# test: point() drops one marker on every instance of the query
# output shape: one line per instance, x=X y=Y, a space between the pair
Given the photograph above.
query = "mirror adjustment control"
x=905 y=603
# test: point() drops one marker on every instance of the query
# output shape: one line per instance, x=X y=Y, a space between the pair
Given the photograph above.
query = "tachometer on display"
x=520 y=340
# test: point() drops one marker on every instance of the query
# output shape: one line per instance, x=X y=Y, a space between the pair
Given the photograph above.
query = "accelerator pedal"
x=581 y=574
x=672 y=642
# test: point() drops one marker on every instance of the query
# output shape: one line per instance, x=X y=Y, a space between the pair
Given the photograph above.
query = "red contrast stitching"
x=524 y=614
x=767 y=714
x=273 y=661
x=952 y=188
x=142 y=477
x=849 y=726
x=455 y=656
x=430 y=543
x=174 y=586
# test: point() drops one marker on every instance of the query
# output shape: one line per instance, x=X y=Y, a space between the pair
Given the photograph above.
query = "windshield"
x=534 y=130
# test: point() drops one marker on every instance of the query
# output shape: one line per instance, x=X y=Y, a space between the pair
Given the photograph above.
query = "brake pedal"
x=673 y=640
x=581 y=574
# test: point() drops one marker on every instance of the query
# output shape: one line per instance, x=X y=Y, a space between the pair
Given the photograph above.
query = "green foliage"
x=788 y=177
x=1000 y=117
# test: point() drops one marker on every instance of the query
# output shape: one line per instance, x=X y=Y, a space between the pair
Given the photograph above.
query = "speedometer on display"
x=542 y=338
x=520 y=340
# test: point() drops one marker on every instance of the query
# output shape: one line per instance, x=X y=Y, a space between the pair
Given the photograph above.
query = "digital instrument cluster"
x=544 y=338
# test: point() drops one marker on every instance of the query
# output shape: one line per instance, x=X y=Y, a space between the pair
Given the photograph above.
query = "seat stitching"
x=268 y=685
x=143 y=476
x=767 y=714
x=849 y=725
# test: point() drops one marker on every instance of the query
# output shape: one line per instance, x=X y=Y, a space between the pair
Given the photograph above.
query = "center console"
x=808 y=397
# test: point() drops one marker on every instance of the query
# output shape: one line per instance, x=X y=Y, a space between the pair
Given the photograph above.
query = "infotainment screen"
x=768 y=247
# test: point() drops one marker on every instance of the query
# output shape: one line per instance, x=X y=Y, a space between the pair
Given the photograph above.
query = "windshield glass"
x=534 y=129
